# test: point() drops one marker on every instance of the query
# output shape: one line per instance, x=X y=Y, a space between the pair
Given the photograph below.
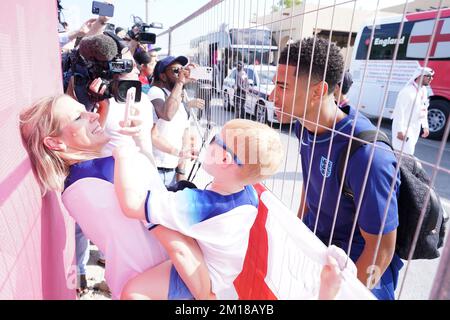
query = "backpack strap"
x=369 y=137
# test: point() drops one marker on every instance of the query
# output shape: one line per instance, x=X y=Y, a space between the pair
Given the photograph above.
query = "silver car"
x=261 y=85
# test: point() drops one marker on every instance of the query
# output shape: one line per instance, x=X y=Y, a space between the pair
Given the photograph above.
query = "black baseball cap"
x=162 y=65
x=346 y=82
x=141 y=57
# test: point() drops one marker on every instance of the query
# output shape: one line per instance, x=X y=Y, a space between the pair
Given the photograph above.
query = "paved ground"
x=286 y=185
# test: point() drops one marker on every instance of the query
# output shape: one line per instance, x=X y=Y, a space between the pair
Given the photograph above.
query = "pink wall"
x=36 y=235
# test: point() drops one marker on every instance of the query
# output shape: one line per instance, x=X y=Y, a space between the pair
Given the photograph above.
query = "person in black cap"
x=341 y=97
x=166 y=94
x=146 y=68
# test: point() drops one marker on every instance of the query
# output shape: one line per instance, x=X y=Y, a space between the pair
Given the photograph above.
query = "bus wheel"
x=438 y=114
x=261 y=112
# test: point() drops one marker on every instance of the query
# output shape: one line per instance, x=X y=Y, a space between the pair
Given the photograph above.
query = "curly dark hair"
x=335 y=65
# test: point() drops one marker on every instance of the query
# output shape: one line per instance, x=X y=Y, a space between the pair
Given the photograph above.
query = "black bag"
x=413 y=190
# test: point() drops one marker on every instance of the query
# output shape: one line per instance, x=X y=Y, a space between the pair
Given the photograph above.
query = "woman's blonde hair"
x=256 y=145
x=50 y=167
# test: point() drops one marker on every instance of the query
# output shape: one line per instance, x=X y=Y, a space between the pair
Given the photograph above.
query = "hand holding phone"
x=102 y=8
x=131 y=98
x=201 y=73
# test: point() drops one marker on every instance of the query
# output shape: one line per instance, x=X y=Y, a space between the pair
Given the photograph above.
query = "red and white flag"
x=284 y=258
x=421 y=36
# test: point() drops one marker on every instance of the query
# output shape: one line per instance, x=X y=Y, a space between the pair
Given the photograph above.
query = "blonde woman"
x=64 y=143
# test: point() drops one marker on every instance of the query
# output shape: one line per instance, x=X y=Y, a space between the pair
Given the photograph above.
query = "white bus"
x=413 y=46
x=222 y=49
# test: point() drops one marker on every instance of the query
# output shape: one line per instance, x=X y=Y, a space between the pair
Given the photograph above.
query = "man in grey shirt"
x=240 y=90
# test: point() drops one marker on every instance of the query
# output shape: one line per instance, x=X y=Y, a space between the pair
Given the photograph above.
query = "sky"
x=170 y=12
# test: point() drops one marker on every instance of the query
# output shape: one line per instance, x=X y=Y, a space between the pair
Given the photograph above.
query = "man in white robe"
x=412 y=99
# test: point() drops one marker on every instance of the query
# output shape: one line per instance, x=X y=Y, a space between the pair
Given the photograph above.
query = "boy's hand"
x=331 y=275
x=191 y=154
x=330 y=280
x=344 y=262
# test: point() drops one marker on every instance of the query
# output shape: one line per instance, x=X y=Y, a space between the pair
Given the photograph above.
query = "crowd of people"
x=124 y=182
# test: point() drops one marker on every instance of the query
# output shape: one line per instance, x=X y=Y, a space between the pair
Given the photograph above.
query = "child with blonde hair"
x=218 y=218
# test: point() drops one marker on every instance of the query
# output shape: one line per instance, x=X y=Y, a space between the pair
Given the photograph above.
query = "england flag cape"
x=284 y=258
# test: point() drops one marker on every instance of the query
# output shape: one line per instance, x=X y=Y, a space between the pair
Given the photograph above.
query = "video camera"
x=139 y=31
x=101 y=59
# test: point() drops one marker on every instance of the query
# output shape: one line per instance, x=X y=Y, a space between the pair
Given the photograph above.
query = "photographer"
x=109 y=87
x=146 y=67
x=95 y=81
x=166 y=95
x=138 y=36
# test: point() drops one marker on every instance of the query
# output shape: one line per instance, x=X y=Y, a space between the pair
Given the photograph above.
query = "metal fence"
x=224 y=32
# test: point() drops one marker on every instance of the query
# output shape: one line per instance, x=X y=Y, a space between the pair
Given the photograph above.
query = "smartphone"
x=201 y=73
x=102 y=8
x=131 y=98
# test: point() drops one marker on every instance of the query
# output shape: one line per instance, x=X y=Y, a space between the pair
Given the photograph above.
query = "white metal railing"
x=297 y=22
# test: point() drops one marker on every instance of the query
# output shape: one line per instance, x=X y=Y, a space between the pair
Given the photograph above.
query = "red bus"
x=413 y=47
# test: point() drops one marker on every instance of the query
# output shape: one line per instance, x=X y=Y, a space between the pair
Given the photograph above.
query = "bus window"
x=384 y=42
x=252 y=37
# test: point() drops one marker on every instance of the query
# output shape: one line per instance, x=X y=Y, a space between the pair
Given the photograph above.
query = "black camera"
x=140 y=34
x=107 y=70
x=119 y=88
x=139 y=31
x=84 y=71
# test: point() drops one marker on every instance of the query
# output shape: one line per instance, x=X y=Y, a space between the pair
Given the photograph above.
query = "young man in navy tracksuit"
x=308 y=96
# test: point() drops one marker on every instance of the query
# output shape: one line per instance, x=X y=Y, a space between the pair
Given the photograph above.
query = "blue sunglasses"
x=216 y=139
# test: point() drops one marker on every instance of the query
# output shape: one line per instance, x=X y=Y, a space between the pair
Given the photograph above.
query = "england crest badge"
x=325 y=167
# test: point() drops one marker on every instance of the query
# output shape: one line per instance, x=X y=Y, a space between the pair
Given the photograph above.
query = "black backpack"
x=414 y=187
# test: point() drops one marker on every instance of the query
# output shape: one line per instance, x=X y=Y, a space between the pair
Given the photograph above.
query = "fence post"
x=441 y=286
x=170 y=42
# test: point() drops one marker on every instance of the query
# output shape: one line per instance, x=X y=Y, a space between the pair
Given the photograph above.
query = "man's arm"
x=189 y=152
x=384 y=257
x=67 y=37
x=166 y=109
x=161 y=143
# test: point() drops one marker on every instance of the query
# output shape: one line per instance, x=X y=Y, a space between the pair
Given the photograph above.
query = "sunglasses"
x=176 y=70
x=216 y=139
